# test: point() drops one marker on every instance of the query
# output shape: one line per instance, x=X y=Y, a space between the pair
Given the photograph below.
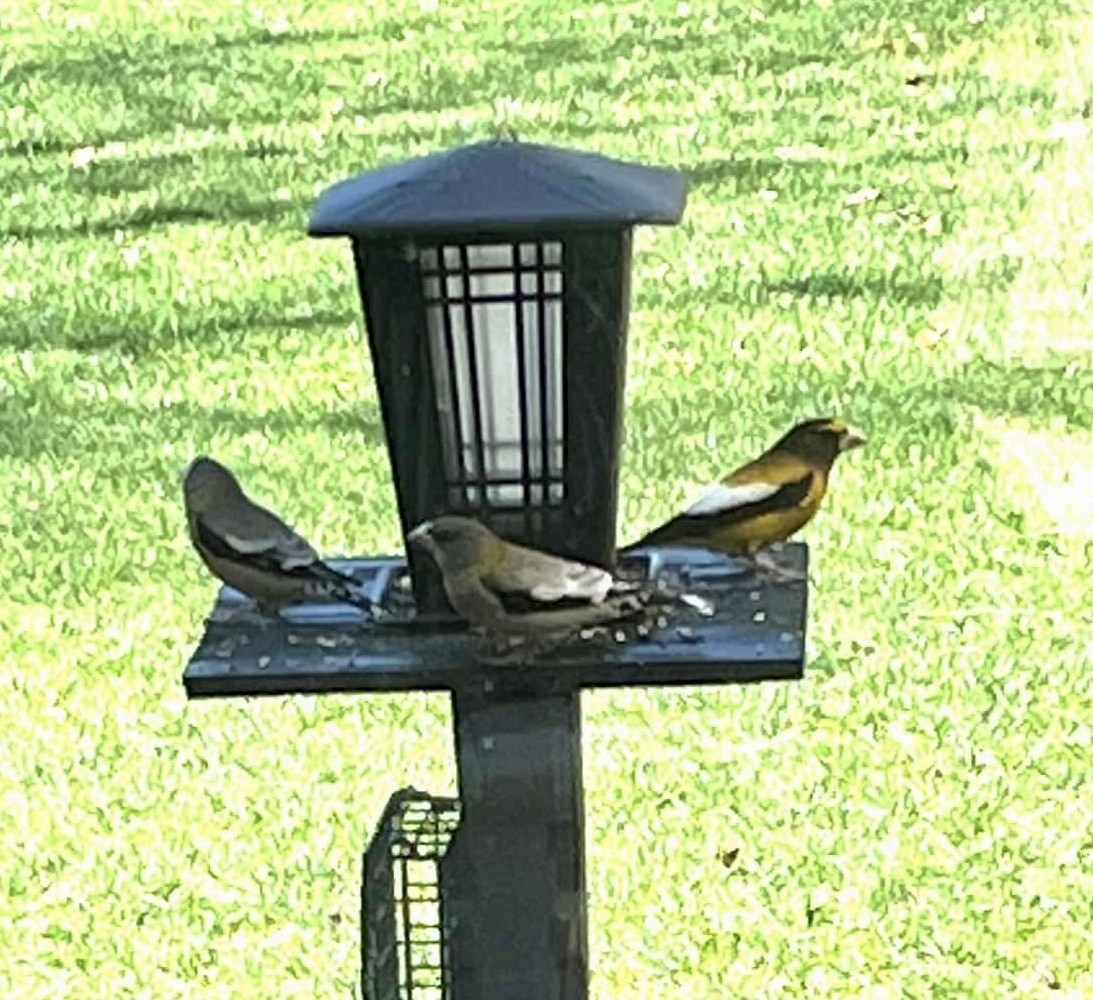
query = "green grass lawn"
x=913 y=819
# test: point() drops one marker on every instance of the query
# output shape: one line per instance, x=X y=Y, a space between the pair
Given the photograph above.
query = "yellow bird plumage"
x=252 y=550
x=508 y=589
x=765 y=501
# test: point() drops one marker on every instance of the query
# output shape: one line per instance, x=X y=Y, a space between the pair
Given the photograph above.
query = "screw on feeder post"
x=494 y=281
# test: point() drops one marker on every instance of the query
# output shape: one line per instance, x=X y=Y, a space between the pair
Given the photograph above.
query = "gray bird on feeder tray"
x=252 y=550
x=525 y=596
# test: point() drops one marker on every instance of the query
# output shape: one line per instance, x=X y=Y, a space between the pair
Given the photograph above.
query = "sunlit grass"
x=890 y=219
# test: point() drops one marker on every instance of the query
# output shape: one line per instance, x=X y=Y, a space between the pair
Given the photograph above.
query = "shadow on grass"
x=68 y=426
x=753 y=295
x=149 y=55
x=140 y=220
x=938 y=406
x=131 y=74
x=197 y=326
x=173 y=172
x=927 y=291
x=318 y=319
x=1041 y=394
x=717 y=53
x=133 y=173
x=154 y=79
x=747 y=173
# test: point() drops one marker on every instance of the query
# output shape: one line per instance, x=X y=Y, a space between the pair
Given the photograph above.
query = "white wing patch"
x=720 y=498
x=293 y=552
x=297 y=560
x=587 y=582
x=250 y=546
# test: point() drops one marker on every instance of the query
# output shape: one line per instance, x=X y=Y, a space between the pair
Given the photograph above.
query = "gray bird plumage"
x=508 y=589
x=252 y=550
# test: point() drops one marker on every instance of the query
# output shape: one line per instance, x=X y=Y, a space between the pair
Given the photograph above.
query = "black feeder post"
x=495 y=285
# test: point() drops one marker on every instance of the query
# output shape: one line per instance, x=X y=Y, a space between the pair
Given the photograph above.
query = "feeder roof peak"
x=500 y=185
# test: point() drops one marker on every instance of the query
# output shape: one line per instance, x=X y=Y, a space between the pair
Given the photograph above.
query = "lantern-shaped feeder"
x=495 y=285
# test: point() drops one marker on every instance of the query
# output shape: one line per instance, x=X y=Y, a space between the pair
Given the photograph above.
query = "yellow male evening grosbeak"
x=764 y=502
x=511 y=590
x=252 y=549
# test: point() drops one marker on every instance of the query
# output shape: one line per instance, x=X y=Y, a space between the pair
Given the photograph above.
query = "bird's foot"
x=767 y=566
x=373 y=613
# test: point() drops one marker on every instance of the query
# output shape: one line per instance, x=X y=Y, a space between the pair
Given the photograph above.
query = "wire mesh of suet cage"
x=404 y=945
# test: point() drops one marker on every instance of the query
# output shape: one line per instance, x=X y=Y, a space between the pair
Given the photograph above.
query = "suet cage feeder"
x=495 y=285
x=405 y=953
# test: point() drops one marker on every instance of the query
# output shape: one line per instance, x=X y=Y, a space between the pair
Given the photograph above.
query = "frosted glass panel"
x=486 y=361
x=487 y=285
x=490 y=255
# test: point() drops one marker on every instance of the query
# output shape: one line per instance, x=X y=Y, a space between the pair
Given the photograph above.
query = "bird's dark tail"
x=359 y=600
x=356 y=598
x=658 y=536
x=346 y=589
x=626 y=550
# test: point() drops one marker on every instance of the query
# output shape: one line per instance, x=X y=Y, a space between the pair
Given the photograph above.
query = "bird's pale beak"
x=851 y=439
x=420 y=534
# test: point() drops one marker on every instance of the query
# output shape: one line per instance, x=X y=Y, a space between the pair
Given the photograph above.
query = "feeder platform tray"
x=755 y=634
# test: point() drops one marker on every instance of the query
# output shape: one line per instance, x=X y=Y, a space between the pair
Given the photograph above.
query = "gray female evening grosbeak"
x=767 y=500
x=508 y=589
x=252 y=549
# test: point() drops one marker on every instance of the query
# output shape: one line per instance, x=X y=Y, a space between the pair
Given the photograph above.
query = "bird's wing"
x=775 y=482
x=722 y=497
x=528 y=580
x=256 y=535
x=763 y=487
x=470 y=596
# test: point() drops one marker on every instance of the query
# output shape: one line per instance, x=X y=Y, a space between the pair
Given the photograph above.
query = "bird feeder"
x=495 y=285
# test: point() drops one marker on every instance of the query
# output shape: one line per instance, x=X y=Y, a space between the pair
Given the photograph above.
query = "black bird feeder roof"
x=500 y=185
